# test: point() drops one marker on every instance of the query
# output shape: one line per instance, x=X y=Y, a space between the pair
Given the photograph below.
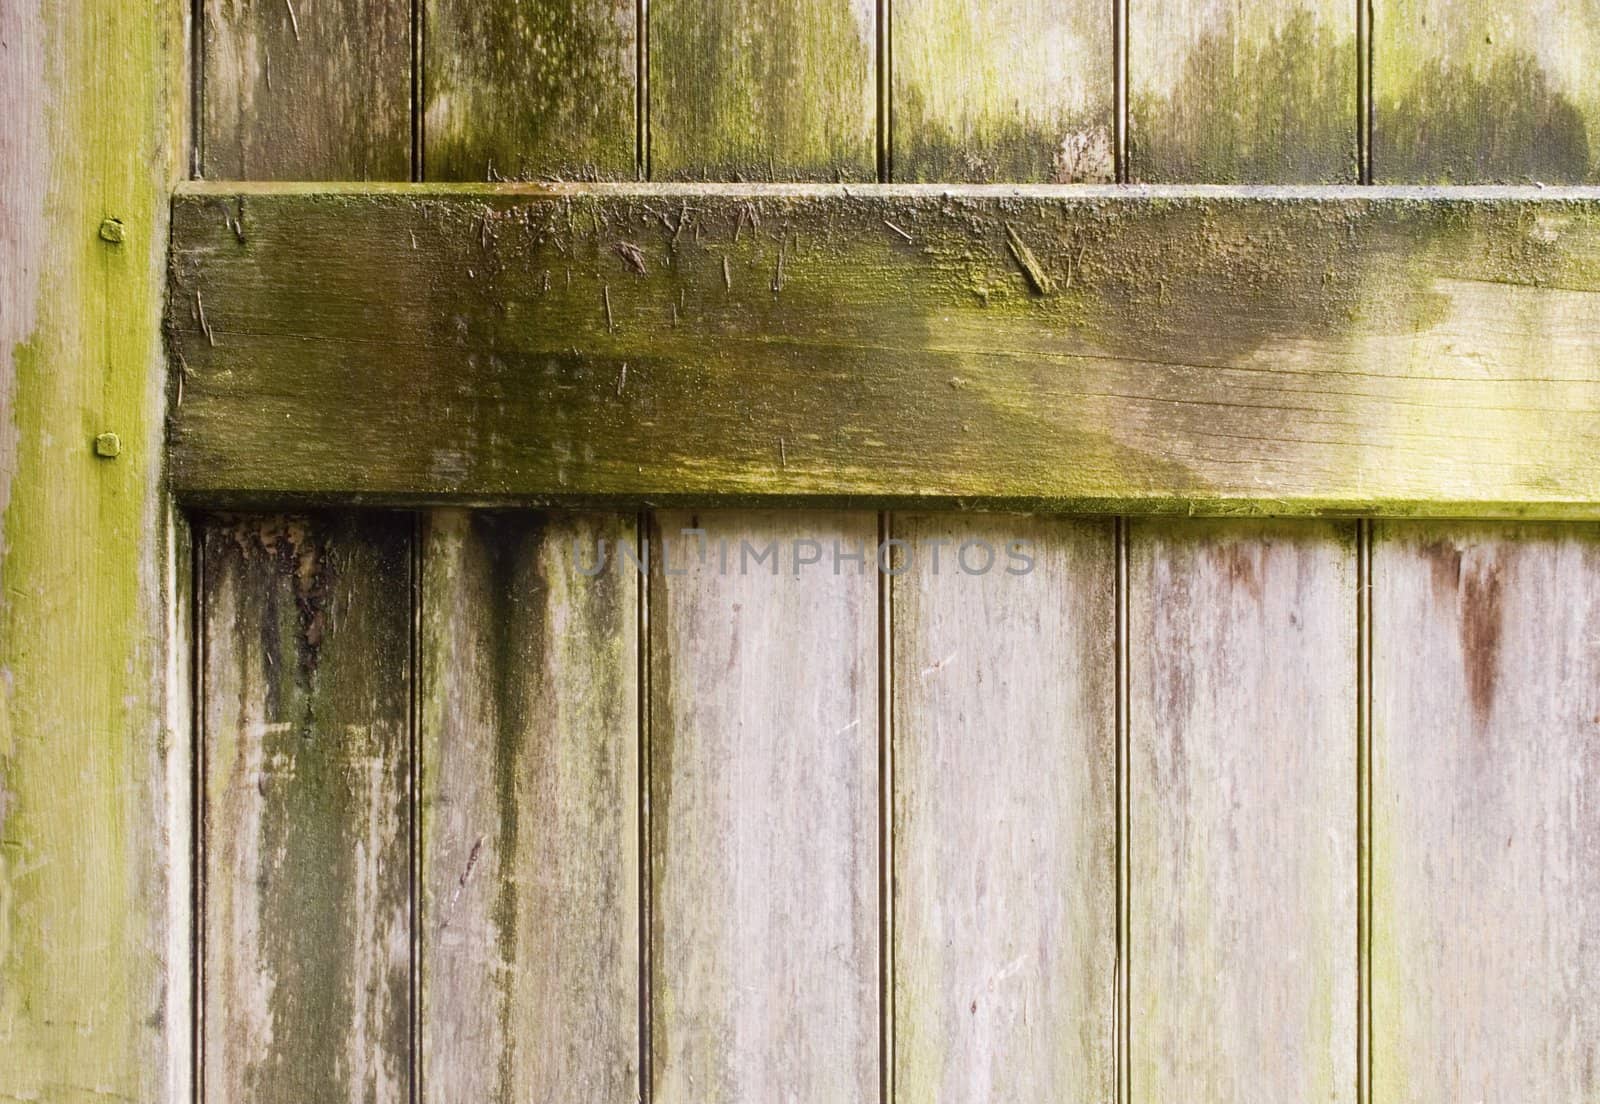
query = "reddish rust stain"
x=1473 y=589
x=1444 y=558
x=1481 y=617
x=1241 y=567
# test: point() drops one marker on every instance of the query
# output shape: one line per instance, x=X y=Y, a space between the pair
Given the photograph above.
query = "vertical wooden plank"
x=1004 y=963
x=306 y=90
x=1014 y=90
x=94 y=932
x=1243 y=91
x=1478 y=91
x=783 y=90
x=530 y=788
x=1243 y=811
x=307 y=811
x=1486 y=795
x=764 y=811
x=529 y=91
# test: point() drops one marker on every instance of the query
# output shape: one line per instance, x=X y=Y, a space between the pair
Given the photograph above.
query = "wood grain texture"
x=530 y=803
x=94 y=746
x=764 y=812
x=782 y=90
x=307 y=810
x=1005 y=922
x=1474 y=91
x=306 y=90
x=1486 y=675
x=1258 y=91
x=1243 y=812
x=1097 y=349
x=529 y=91
x=1014 y=90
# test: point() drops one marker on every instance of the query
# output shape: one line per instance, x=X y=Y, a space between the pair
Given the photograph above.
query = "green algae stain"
x=1455 y=123
x=546 y=91
x=777 y=91
x=1253 y=105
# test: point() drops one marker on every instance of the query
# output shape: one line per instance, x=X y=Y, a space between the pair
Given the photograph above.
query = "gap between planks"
x=886 y=1052
x=1122 y=1017
x=1364 y=811
x=643 y=526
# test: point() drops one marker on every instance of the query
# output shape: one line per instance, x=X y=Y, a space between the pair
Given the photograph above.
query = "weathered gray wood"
x=1014 y=90
x=530 y=806
x=1004 y=963
x=529 y=91
x=307 y=811
x=306 y=90
x=1390 y=351
x=1485 y=816
x=1476 y=91
x=1243 y=91
x=94 y=745
x=764 y=812
x=1242 y=823
x=782 y=90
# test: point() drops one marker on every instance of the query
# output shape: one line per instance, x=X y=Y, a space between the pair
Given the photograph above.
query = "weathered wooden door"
x=840 y=551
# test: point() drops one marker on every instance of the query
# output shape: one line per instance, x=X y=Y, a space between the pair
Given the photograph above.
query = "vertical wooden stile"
x=306 y=808
x=529 y=761
x=533 y=719
x=1242 y=825
x=1004 y=815
x=1486 y=824
x=764 y=808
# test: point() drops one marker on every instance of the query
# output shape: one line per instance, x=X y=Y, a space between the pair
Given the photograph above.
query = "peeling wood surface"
x=529 y=91
x=94 y=934
x=764 y=813
x=1007 y=91
x=1477 y=91
x=307 y=812
x=1242 y=822
x=1486 y=819
x=1258 y=91
x=530 y=805
x=306 y=90
x=782 y=90
x=1004 y=956
x=1182 y=349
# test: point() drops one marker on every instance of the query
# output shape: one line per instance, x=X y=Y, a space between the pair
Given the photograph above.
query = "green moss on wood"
x=786 y=344
x=776 y=91
x=520 y=91
x=92 y=953
x=1470 y=91
x=307 y=808
x=1450 y=123
x=1007 y=91
x=1261 y=97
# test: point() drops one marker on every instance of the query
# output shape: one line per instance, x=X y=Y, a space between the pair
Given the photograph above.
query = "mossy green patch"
x=777 y=91
x=92 y=997
x=1449 y=123
x=1257 y=101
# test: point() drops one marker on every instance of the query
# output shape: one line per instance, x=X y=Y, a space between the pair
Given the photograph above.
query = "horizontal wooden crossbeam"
x=1209 y=350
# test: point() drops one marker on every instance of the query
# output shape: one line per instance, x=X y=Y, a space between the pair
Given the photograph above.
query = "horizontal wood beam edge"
x=1168 y=349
